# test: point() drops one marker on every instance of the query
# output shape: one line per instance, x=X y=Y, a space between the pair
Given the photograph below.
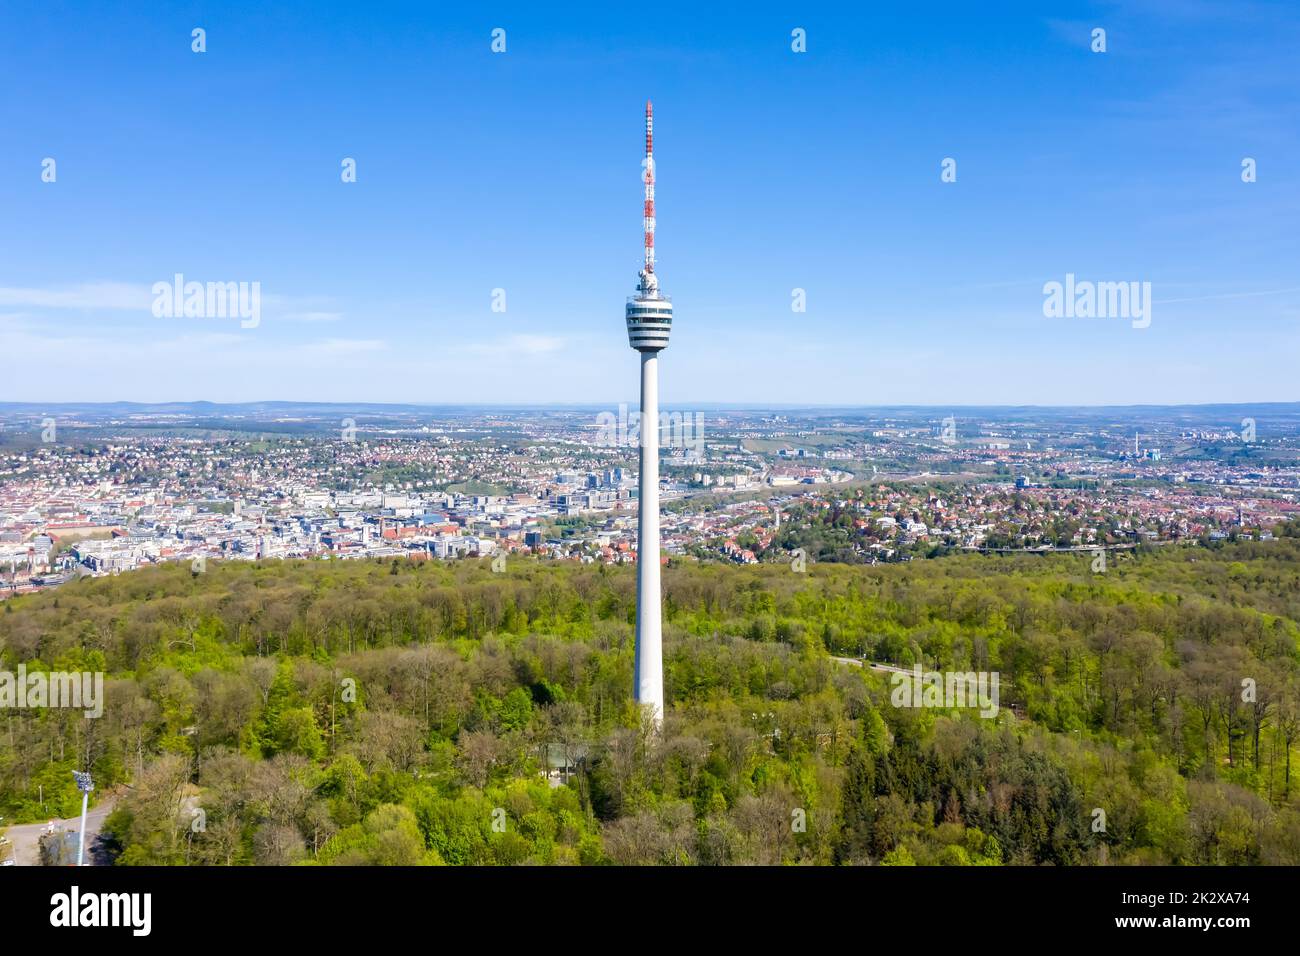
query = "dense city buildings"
x=116 y=490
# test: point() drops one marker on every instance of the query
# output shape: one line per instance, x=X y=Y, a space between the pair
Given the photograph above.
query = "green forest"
x=431 y=713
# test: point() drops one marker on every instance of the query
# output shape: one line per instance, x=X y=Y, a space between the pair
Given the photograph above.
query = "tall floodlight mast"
x=85 y=784
x=649 y=320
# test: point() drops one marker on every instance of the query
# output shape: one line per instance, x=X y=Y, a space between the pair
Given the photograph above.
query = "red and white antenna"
x=649 y=188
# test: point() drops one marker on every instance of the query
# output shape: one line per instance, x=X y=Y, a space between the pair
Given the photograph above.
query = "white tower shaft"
x=649 y=632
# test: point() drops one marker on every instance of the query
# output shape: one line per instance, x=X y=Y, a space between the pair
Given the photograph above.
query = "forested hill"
x=403 y=712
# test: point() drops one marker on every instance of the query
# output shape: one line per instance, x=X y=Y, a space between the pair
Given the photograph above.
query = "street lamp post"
x=85 y=785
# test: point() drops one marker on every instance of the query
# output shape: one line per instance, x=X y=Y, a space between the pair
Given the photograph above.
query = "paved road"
x=26 y=837
x=883 y=668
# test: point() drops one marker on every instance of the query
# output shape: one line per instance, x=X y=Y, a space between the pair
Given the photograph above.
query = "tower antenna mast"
x=649 y=187
x=649 y=281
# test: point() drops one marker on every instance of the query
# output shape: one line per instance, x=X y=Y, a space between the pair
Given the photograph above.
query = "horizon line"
x=752 y=406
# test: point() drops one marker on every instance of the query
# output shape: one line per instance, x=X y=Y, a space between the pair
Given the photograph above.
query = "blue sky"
x=776 y=170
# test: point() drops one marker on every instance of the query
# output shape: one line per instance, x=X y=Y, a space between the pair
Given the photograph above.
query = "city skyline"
x=817 y=171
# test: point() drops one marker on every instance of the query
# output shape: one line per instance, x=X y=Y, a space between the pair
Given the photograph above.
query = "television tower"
x=649 y=320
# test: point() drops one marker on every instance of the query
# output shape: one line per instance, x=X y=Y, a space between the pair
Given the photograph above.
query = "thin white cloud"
x=97 y=295
x=1228 y=295
x=345 y=346
x=133 y=297
x=535 y=344
x=312 y=316
x=520 y=344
